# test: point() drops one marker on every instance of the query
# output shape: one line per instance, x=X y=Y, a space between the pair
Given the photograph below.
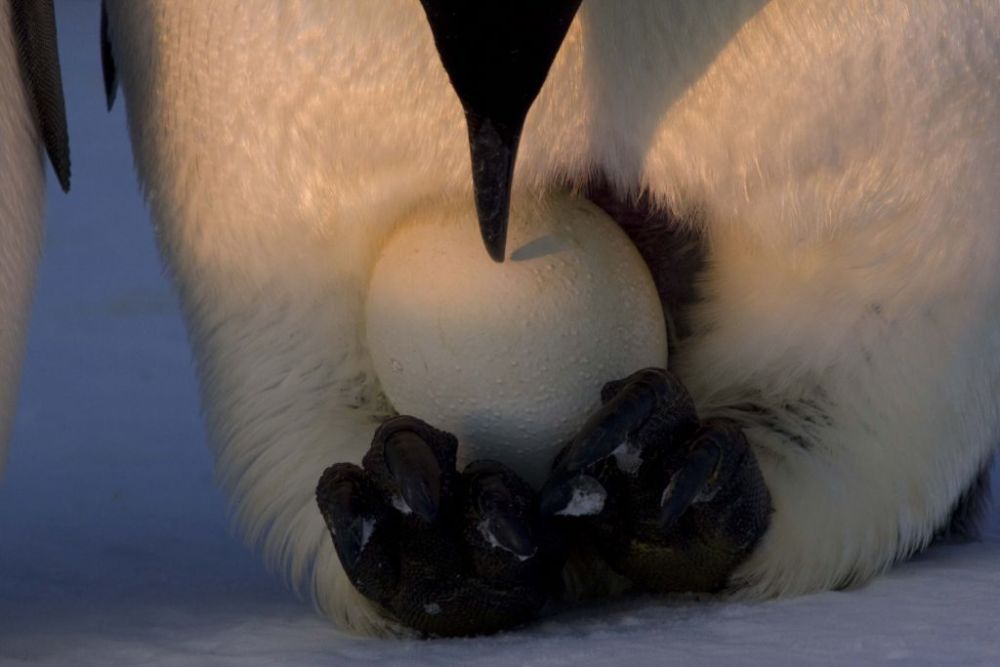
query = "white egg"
x=511 y=357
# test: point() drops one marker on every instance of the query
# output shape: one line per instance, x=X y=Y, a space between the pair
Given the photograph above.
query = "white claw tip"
x=401 y=505
x=587 y=500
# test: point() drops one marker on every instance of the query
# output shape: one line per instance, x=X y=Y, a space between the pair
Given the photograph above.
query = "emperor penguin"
x=32 y=120
x=832 y=399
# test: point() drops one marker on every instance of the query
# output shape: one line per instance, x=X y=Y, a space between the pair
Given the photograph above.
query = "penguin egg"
x=510 y=357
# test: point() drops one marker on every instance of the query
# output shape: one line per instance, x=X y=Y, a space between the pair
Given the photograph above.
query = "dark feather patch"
x=674 y=252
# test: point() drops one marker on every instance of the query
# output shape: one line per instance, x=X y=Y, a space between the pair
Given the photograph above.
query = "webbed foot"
x=671 y=502
x=441 y=551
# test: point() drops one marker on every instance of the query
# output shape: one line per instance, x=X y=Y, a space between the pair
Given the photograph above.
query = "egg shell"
x=510 y=357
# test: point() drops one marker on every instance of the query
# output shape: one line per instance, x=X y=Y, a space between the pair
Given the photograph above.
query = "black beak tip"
x=497 y=54
x=497 y=248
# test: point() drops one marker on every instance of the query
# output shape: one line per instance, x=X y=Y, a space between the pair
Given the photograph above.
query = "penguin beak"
x=497 y=54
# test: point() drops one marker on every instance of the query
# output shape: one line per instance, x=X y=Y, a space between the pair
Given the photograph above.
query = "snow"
x=114 y=542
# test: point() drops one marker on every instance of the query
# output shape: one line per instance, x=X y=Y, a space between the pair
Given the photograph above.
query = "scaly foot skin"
x=672 y=503
x=443 y=552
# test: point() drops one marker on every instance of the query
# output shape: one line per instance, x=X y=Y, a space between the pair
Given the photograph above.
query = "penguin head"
x=497 y=54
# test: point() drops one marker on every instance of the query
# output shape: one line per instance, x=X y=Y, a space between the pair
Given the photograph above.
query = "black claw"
x=502 y=522
x=512 y=535
x=628 y=407
x=350 y=540
x=554 y=497
x=341 y=497
x=608 y=428
x=416 y=470
x=689 y=484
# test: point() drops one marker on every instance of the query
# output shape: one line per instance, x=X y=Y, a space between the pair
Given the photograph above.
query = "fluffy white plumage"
x=22 y=199
x=841 y=157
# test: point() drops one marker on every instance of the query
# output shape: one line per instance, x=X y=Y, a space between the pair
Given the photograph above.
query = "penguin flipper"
x=108 y=60
x=34 y=24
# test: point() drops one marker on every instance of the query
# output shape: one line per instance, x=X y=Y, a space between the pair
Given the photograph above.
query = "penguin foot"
x=443 y=552
x=671 y=502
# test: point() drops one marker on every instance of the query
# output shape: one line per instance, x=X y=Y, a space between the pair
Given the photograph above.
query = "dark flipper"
x=673 y=503
x=107 y=60
x=34 y=25
x=443 y=552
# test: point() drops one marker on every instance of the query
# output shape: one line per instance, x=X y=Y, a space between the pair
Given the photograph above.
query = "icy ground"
x=114 y=543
